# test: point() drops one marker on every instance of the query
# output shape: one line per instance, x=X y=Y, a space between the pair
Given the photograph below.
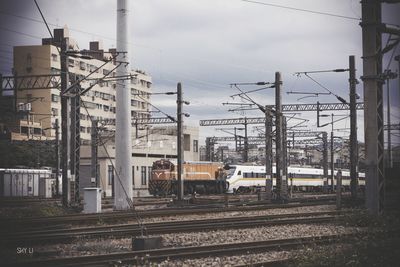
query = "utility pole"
x=373 y=106
x=285 y=153
x=57 y=157
x=246 y=143
x=65 y=126
x=397 y=58
x=75 y=140
x=94 y=140
x=353 y=130
x=236 y=141
x=278 y=137
x=123 y=130
x=208 y=149
x=268 y=152
x=389 y=137
x=325 y=156
x=332 y=158
x=388 y=76
x=180 y=151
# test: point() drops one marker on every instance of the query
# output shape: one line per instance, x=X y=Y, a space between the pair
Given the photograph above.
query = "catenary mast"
x=123 y=142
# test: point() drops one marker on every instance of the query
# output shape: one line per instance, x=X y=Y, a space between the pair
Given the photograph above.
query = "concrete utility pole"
x=280 y=178
x=388 y=76
x=325 y=156
x=208 y=149
x=397 y=58
x=57 y=158
x=389 y=134
x=373 y=109
x=332 y=157
x=94 y=140
x=65 y=122
x=179 y=137
x=123 y=134
x=268 y=152
x=353 y=130
x=236 y=141
x=285 y=153
x=246 y=143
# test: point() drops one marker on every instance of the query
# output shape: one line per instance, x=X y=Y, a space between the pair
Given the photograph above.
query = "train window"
x=230 y=173
x=239 y=172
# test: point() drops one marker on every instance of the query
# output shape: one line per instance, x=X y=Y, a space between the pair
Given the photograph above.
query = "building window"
x=54 y=111
x=24 y=129
x=133 y=175
x=144 y=178
x=110 y=174
x=186 y=142
x=82 y=65
x=54 y=98
x=54 y=57
x=195 y=146
x=37 y=131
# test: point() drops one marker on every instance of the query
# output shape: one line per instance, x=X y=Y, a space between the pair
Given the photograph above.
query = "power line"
x=302 y=10
x=22 y=33
x=168 y=116
x=71 y=29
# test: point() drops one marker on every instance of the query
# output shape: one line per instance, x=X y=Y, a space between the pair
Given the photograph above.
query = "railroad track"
x=17 y=202
x=14 y=224
x=67 y=235
x=140 y=257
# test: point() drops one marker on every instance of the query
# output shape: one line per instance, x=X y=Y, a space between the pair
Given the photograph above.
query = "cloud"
x=209 y=44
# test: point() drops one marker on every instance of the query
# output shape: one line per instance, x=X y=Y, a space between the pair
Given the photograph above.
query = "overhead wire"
x=302 y=10
x=168 y=116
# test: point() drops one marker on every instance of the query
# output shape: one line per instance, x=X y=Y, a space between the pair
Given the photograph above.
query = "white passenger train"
x=246 y=177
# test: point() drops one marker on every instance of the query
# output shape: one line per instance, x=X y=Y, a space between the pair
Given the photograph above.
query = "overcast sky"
x=209 y=44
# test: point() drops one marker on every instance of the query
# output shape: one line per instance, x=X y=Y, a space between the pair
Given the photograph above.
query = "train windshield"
x=162 y=165
x=231 y=171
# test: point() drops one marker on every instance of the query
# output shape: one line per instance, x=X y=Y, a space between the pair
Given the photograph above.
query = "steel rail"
x=67 y=235
x=15 y=223
x=157 y=255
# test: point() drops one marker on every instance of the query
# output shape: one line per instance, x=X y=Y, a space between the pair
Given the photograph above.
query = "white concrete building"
x=155 y=143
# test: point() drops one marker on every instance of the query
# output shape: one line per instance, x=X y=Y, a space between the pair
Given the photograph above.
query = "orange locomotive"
x=199 y=177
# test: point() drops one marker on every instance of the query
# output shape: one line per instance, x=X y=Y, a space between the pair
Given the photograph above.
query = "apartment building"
x=98 y=103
